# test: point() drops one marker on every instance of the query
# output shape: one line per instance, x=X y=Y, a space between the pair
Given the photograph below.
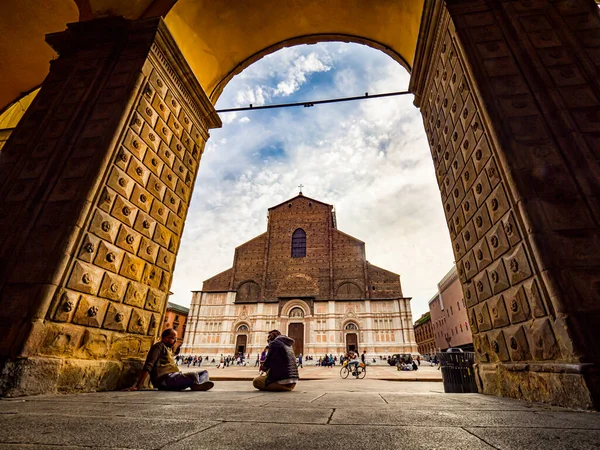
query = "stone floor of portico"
x=321 y=414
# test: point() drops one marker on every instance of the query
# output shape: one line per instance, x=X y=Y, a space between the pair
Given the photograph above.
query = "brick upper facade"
x=335 y=265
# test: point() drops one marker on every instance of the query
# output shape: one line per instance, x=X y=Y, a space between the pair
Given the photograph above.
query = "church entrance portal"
x=240 y=344
x=296 y=332
x=351 y=342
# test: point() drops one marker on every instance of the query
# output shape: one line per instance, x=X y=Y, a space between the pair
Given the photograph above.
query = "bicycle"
x=359 y=371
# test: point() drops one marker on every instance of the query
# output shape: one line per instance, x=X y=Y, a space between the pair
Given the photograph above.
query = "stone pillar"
x=510 y=96
x=95 y=184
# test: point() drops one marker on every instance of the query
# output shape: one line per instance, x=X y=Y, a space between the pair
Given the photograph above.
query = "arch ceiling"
x=217 y=39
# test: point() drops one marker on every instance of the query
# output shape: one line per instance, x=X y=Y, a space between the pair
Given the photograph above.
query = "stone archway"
x=97 y=204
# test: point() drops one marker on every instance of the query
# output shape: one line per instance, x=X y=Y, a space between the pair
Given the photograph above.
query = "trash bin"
x=457 y=372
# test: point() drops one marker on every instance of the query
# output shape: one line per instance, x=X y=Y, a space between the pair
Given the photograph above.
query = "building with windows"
x=449 y=319
x=308 y=279
x=176 y=318
x=424 y=335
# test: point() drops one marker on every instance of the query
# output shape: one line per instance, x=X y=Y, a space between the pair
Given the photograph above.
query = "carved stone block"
x=120 y=182
x=153 y=163
x=535 y=299
x=134 y=143
x=138 y=172
x=145 y=224
x=136 y=123
x=85 y=278
x=156 y=187
x=124 y=211
x=516 y=303
x=516 y=340
x=498 y=346
x=166 y=154
x=469 y=293
x=469 y=235
x=165 y=259
x=141 y=198
x=482 y=221
x=482 y=316
x=148 y=250
x=481 y=189
x=117 y=317
x=180 y=169
x=482 y=347
x=497 y=203
x=542 y=341
x=517 y=265
x=113 y=287
x=163 y=131
x=147 y=112
x=88 y=248
x=482 y=154
x=174 y=223
x=152 y=275
x=498 y=312
x=470 y=266
x=140 y=321
x=159 y=211
x=136 y=294
x=109 y=257
x=497 y=242
x=132 y=267
x=90 y=311
x=172 y=201
x=155 y=300
x=482 y=286
x=128 y=240
x=510 y=229
x=497 y=276
x=150 y=137
x=67 y=304
x=161 y=108
x=104 y=226
x=481 y=254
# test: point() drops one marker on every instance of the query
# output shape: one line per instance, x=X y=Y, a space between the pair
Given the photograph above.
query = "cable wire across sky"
x=313 y=103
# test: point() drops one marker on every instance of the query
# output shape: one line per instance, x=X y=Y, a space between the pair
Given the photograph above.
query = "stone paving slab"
x=295 y=437
x=327 y=414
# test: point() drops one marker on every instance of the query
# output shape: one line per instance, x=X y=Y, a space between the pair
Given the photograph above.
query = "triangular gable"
x=298 y=197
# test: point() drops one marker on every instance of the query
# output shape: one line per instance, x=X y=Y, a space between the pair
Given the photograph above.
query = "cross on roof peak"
x=300 y=187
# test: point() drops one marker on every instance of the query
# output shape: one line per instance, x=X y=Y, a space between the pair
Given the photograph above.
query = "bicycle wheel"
x=344 y=372
x=361 y=372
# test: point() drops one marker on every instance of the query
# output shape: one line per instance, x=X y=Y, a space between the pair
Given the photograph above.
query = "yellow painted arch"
x=219 y=38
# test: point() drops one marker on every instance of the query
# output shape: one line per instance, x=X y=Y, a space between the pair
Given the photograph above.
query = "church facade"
x=308 y=279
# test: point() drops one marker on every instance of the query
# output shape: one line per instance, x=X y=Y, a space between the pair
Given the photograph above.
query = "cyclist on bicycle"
x=354 y=362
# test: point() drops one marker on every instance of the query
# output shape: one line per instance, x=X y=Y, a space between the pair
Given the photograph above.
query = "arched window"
x=296 y=312
x=299 y=243
x=351 y=326
x=243 y=328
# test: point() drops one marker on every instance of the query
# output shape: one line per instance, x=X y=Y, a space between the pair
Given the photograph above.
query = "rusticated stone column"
x=510 y=96
x=95 y=184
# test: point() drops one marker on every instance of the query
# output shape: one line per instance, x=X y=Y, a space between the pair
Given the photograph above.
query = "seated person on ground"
x=280 y=365
x=165 y=374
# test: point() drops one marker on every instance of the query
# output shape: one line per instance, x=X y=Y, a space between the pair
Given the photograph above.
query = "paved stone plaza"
x=381 y=371
x=325 y=414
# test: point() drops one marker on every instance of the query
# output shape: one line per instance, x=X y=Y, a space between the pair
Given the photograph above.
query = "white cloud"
x=369 y=158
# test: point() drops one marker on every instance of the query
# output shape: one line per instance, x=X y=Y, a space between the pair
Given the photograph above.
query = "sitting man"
x=280 y=365
x=165 y=374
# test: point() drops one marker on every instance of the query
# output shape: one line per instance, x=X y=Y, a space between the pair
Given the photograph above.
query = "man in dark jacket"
x=280 y=366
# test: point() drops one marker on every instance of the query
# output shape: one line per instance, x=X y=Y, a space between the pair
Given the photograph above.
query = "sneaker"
x=207 y=385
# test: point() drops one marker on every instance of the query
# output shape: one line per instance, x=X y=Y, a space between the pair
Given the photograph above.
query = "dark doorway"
x=296 y=332
x=351 y=342
x=240 y=344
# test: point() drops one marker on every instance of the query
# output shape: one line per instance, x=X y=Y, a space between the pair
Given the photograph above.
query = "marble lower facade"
x=217 y=325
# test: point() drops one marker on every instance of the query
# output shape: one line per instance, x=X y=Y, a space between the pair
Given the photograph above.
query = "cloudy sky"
x=368 y=158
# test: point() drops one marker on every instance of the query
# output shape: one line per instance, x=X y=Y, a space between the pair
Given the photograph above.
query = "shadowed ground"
x=324 y=414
